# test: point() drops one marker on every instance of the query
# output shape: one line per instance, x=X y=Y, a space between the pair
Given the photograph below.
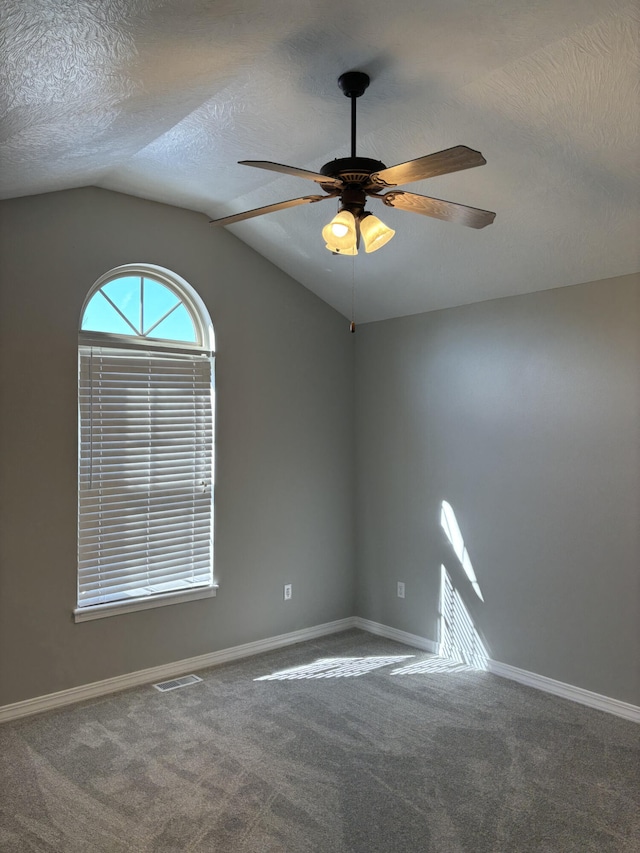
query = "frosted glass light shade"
x=340 y=234
x=374 y=233
x=351 y=251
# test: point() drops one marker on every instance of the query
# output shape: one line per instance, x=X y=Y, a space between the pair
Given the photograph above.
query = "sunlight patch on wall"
x=334 y=668
x=459 y=639
x=449 y=524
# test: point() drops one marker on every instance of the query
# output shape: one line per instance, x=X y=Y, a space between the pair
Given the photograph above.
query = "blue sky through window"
x=152 y=309
x=125 y=293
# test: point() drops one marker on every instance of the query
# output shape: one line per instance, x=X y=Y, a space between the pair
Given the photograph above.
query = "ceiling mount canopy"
x=352 y=179
x=354 y=83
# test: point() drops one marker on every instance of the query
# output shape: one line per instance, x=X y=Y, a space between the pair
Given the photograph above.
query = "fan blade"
x=447 y=210
x=270 y=208
x=293 y=170
x=440 y=163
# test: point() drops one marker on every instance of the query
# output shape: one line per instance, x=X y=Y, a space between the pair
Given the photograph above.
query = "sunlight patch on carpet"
x=334 y=668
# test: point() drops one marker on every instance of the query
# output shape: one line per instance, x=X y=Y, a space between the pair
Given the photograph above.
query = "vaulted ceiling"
x=161 y=99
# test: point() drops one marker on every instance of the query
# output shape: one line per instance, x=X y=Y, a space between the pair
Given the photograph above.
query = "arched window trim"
x=119 y=344
x=182 y=290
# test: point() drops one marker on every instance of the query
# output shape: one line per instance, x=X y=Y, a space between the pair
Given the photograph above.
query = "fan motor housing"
x=352 y=170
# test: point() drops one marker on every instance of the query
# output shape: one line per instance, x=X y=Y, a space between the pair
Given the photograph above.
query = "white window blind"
x=145 y=474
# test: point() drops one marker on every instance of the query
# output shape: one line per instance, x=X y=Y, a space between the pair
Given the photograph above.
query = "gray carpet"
x=385 y=752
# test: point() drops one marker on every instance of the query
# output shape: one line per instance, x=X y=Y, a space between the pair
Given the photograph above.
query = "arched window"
x=146 y=439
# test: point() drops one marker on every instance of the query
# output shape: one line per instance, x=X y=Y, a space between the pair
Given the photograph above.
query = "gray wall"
x=284 y=442
x=523 y=413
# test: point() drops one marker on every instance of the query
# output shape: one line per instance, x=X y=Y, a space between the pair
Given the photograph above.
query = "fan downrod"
x=354 y=83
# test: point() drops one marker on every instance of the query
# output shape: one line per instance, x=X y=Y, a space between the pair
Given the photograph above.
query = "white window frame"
x=104 y=341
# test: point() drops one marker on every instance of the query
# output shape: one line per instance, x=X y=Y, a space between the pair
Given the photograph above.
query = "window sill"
x=101 y=611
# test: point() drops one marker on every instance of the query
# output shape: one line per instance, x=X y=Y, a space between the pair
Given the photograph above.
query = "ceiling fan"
x=353 y=179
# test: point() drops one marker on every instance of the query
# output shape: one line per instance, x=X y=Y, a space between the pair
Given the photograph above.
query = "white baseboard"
x=395 y=634
x=170 y=670
x=161 y=673
x=566 y=691
x=531 y=679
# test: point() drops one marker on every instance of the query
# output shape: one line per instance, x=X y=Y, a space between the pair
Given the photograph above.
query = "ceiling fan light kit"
x=353 y=179
x=343 y=234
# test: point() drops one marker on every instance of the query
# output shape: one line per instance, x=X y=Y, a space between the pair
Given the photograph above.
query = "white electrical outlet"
x=287 y=591
x=400 y=589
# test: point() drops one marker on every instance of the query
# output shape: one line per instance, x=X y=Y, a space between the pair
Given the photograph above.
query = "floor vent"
x=164 y=686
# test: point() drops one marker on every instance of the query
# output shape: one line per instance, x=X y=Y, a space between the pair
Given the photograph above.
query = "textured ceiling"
x=161 y=99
